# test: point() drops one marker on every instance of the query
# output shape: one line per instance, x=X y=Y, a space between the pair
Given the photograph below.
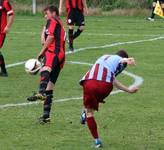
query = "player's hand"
x=131 y=61
x=6 y=30
x=86 y=12
x=133 y=89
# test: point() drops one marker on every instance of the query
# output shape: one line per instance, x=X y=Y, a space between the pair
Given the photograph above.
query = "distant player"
x=98 y=84
x=53 y=53
x=5 y=25
x=151 y=18
x=75 y=17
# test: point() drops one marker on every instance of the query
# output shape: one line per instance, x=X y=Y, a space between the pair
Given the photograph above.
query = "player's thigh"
x=70 y=17
x=2 y=39
x=55 y=70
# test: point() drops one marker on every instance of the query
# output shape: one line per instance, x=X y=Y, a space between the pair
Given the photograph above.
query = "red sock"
x=92 y=127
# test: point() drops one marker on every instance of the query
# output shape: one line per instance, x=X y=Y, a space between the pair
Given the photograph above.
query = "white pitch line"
x=137 y=82
x=96 y=47
x=96 y=34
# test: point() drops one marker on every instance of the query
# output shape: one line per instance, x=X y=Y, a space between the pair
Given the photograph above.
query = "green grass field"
x=125 y=122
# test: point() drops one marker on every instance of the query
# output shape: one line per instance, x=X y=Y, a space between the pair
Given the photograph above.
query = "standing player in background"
x=151 y=18
x=75 y=17
x=98 y=84
x=5 y=25
x=53 y=53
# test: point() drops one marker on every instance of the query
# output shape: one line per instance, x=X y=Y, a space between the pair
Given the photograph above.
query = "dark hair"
x=52 y=9
x=122 y=53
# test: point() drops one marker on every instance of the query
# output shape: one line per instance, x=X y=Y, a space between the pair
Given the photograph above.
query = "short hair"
x=122 y=53
x=52 y=9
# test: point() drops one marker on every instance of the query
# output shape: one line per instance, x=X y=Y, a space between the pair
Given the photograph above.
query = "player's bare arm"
x=61 y=7
x=122 y=87
x=129 y=61
x=85 y=7
x=43 y=36
x=47 y=43
x=9 y=23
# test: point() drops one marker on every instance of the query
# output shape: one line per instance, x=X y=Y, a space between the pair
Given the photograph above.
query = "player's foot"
x=83 y=118
x=150 y=19
x=36 y=96
x=98 y=143
x=44 y=120
x=2 y=74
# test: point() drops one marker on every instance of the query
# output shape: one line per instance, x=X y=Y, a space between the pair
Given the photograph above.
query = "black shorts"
x=161 y=1
x=2 y=39
x=52 y=61
x=75 y=17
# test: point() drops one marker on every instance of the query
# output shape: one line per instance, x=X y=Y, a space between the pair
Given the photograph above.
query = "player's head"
x=51 y=11
x=122 y=53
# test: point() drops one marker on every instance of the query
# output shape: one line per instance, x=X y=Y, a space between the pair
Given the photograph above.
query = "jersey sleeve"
x=7 y=6
x=52 y=27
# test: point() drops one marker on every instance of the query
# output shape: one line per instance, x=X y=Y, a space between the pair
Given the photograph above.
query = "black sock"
x=77 y=33
x=2 y=63
x=47 y=104
x=153 y=14
x=44 y=79
x=70 y=33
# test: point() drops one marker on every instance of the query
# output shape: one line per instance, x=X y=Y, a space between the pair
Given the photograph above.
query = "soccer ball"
x=32 y=66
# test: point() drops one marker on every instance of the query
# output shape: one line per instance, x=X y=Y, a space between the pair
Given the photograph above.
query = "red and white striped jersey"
x=104 y=69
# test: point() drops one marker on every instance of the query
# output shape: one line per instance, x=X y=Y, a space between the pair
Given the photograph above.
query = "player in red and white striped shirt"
x=98 y=84
x=5 y=9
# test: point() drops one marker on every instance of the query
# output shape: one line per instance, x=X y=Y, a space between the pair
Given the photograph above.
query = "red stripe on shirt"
x=96 y=71
x=104 y=74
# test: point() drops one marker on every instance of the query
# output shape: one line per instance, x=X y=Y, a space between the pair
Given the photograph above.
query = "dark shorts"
x=94 y=92
x=51 y=60
x=75 y=17
x=161 y=1
x=2 y=39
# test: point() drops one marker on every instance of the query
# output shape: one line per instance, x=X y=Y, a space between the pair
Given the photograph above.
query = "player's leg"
x=3 y=72
x=70 y=36
x=92 y=125
x=151 y=18
x=70 y=23
x=49 y=91
x=80 y=29
x=80 y=22
x=162 y=5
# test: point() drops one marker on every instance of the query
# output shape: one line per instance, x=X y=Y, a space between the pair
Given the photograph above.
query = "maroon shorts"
x=2 y=39
x=94 y=92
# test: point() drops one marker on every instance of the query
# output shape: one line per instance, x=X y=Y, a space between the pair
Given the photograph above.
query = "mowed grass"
x=125 y=121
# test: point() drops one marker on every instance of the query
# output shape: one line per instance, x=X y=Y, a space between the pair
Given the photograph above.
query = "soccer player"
x=97 y=85
x=75 y=17
x=5 y=25
x=53 y=53
x=151 y=18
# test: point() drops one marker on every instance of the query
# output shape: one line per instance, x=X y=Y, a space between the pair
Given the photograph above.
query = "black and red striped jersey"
x=5 y=9
x=75 y=4
x=56 y=29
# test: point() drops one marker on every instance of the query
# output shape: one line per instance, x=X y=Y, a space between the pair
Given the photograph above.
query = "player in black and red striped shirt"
x=75 y=16
x=53 y=53
x=5 y=9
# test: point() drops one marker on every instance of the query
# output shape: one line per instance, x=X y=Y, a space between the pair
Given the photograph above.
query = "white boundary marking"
x=96 y=47
x=137 y=82
x=96 y=34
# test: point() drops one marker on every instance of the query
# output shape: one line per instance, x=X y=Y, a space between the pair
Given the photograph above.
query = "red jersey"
x=55 y=28
x=75 y=4
x=5 y=9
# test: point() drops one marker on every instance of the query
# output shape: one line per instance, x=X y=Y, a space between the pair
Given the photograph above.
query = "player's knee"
x=71 y=27
x=81 y=28
x=89 y=112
